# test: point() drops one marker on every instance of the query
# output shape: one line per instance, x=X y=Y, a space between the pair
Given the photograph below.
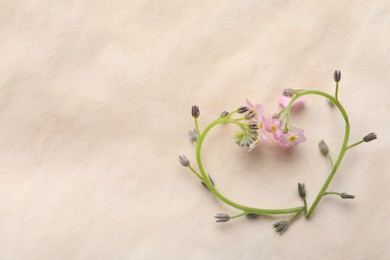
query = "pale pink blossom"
x=273 y=126
x=262 y=125
x=258 y=109
x=292 y=138
x=298 y=104
x=260 y=136
x=253 y=145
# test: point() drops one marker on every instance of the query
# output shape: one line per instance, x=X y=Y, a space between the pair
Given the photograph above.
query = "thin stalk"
x=331 y=193
x=330 y=159
x=239 y=215
x=343 y=147
x=223 y=198
x=355 y=144
x=197 y=174
x=305 y=204
x=197 y=126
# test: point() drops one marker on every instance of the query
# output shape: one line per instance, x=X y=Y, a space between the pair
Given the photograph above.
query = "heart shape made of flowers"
x=253 y=126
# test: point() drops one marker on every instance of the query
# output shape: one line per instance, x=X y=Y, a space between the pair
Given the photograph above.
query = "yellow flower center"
x=261 y=125
x=292 y=138
x=273 y=128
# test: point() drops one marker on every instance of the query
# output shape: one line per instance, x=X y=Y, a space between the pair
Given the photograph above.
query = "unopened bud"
x=251 y=114
x=254 y=126
x=192 y=136
x=281 y=226
x=276 y=116
x=183 y=160
x=346 y=196
x=242 y=110
x=369 y=137
x=302 y=190
x=337 y=75
x=288 y=92
x=195 y=111
x=224 y=114
x=323 y=147
x=212 y=182
x=222 y=217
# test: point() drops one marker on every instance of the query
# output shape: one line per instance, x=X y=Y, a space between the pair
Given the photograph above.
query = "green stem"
x=294 y=217
x=355 y=144
x=331 y=193
x=197 y=174
x=330 y=160
x=248 y=210
x=197 y=126
x=239 y=215
x=337 y=91
x=344 y=146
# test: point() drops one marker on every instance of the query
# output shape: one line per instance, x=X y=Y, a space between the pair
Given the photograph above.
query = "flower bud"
x=323 y=147
x=183 y=160
x=346 y=196
x=337 y=75
x=192 y=136
x=288 y=92
x=302 y=190
x=254 y=126
x=242 y=110
x=195 y=111
x=369 y=137
x=276 y=116
x=222 y=217
x=224 y=114
x=281 y=226
x=211 y=180
x=251 y=114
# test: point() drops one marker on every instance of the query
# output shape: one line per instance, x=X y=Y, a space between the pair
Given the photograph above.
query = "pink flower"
x=298 y=104
x=258 y=109
x=262 y=124
x=260 y=135
x=273 y=126
x=292 y=138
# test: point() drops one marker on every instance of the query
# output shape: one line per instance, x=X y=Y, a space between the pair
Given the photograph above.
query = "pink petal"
x=297 y=105
x=278 y=135
x=301 y=139
x=284 y=142
x=283 y=101
x=277 y=122
x=297 y=131
x=249 y=104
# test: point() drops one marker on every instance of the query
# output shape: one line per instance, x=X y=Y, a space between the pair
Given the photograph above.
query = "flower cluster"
x=260 y=124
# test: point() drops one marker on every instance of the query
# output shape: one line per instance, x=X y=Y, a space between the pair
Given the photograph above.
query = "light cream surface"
x=95 y=106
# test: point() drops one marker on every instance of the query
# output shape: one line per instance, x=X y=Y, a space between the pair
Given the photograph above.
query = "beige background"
x=95 y=107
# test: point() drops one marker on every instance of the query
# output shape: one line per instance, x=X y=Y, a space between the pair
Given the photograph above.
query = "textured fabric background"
x=95 y=106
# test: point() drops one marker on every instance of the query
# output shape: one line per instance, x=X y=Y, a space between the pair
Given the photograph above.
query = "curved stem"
x=219 y=195
x=344 y=146
x=298 y=210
